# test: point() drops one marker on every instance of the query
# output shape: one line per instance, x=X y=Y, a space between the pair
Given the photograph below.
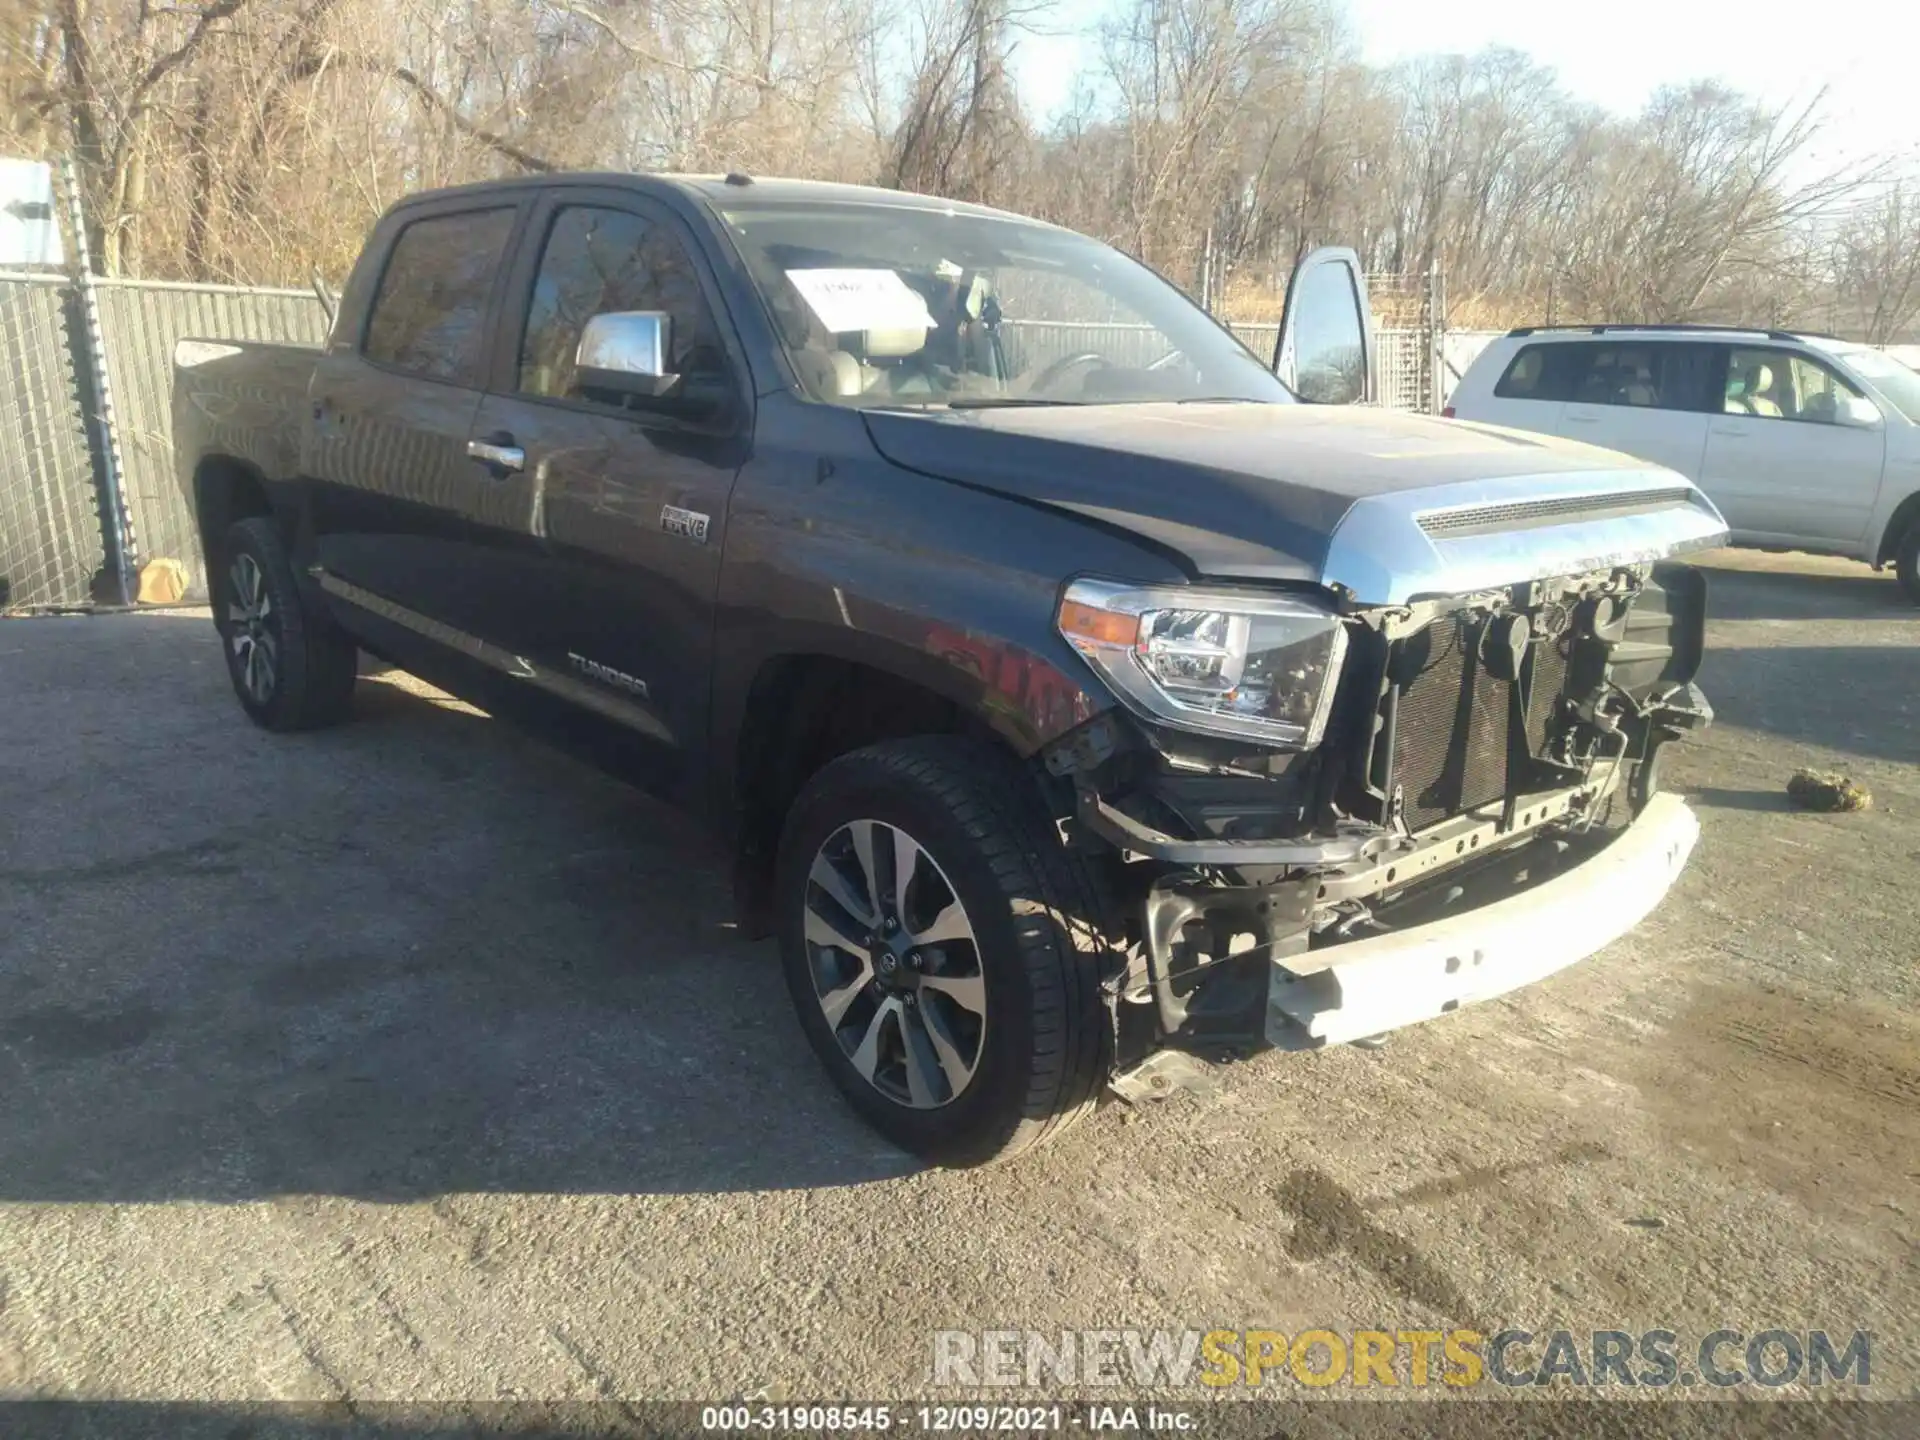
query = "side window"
x=1656 y=375
x=596 y=261
x=1780 y=385
x=1529 y=377
x=430 y=311
x=1545 y=372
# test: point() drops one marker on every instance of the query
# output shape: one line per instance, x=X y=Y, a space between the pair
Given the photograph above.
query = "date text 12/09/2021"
x=748 y=1418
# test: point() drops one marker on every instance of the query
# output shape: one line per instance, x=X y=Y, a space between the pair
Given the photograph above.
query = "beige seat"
x=847 y=379
x=1759 y=388
x=1638 y=389
x=842 y=372
x=893 y=344
x=878 y=345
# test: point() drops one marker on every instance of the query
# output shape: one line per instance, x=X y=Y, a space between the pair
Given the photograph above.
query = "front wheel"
x=1906 y=560
x=941 y=949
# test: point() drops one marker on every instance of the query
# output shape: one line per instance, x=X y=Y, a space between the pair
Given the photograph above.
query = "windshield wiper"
x=994 y=402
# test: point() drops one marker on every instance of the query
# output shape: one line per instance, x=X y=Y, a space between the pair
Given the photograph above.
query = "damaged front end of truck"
x=1432 y=779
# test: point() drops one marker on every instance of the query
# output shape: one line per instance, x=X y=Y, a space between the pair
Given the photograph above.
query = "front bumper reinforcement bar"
x=1364 y=987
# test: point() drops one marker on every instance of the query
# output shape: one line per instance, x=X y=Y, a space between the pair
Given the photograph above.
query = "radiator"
x=1450 y=735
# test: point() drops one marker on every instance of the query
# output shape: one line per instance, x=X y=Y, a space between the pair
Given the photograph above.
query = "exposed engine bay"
x=1477 y=746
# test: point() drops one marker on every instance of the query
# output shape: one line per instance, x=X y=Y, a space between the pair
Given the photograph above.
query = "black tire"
x=1645 y=782
x=1906 y=562
x=309 y=663
x=1043 y=1047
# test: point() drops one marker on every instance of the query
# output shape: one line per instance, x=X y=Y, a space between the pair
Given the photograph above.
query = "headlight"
x=1254 y=667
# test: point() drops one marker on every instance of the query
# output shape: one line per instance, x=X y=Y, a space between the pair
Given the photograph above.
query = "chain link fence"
x=54 y=552
x=1409 y=333
x=51 y=546
x=140 y=322
x=1402 y=362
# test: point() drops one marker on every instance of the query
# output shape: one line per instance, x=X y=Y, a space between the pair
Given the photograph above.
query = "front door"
x=1324 y=352
x=1796 y=452
x=600 y=534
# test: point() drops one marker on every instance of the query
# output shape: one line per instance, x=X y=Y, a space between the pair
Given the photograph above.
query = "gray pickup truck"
x=1077 y=692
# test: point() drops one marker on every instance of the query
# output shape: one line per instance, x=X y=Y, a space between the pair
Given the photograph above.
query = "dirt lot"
x=410 y=1060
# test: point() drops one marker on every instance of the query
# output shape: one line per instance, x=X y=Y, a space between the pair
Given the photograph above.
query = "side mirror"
x=1858 y=411
x=627 y=352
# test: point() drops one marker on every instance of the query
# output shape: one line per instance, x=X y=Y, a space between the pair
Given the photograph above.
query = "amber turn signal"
x=1081 y=622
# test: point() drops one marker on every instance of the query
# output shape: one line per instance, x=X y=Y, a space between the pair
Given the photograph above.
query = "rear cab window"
x=429 y=314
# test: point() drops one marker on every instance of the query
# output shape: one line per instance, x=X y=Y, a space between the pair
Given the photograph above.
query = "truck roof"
x=720 y=190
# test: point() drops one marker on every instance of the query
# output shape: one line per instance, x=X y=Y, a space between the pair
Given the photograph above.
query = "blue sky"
x=1617 y=52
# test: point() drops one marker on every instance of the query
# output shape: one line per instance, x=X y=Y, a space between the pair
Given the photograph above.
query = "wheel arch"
x=803 y=708
x=225 y=491
x=1905 y=515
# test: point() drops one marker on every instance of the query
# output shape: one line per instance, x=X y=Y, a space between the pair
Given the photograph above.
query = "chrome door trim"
x=566 y=687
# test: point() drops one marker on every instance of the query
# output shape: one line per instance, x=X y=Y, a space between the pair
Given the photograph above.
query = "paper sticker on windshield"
x=861 y=300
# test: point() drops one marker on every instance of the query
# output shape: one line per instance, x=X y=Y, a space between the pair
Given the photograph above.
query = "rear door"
x=391 y=404
x=1324 y=352
x=1795 y=452
x=1647 y=398
x=1530 y=392
x=599 y=540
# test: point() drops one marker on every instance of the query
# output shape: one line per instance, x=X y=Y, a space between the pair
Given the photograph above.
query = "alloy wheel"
x=895 y=964
x=253 y=629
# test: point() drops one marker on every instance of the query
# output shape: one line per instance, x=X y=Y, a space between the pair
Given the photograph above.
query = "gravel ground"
x=412 y=1061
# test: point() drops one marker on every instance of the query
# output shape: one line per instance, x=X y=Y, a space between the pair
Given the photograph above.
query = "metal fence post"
x=1436 y=338
x=123 y=549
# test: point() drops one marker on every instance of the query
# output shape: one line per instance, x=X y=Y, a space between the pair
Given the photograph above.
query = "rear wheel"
x=292 y=668
x=1906 y=559
x=938 y=947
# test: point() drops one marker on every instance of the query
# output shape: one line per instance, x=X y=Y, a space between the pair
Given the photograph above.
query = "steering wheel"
x=1049 y=374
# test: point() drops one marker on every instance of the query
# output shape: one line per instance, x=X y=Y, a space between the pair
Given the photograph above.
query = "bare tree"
x=1877 y=267
x=255 y=140
x=961 y=129
x=1691 y=203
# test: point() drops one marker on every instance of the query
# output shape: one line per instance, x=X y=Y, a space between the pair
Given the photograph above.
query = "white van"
x=1802 y=441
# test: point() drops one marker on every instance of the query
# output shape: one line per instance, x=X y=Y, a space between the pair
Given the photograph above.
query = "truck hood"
x=1375 y=502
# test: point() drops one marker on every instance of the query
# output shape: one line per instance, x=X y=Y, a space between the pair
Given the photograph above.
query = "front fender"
x=833 y=551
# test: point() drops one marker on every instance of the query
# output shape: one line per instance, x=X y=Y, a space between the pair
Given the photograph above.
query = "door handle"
x=1734 y=431
x=499 y=452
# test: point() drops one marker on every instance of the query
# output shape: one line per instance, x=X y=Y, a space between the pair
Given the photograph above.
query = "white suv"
x=1800 y=440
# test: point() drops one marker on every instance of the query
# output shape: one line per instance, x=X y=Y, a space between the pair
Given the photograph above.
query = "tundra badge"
x=607 y=675
x=687 y=524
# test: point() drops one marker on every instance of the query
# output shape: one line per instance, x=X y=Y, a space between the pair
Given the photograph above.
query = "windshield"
x=894 y=305
x=1896 y=384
